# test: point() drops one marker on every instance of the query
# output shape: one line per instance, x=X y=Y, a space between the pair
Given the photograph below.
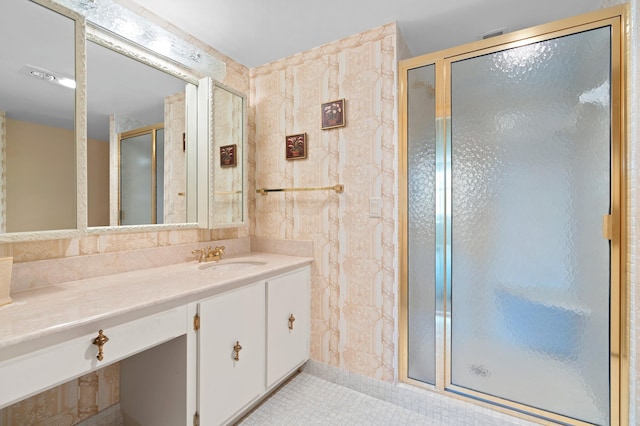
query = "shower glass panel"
x=421 y=169
x=136 y=180
x=530 y=182
x=160 y=198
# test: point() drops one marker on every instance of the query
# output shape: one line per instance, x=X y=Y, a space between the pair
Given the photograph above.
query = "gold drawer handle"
x=100 y=342
x=291 y=320
x=237 y=348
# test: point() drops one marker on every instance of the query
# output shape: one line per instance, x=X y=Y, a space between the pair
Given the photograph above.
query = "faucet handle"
x=219 y=250
x=201 y=254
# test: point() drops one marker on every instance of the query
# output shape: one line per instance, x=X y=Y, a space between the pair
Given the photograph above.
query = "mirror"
x=39 y=168
x=228 y=206
x=48 y=190
x=138 y=141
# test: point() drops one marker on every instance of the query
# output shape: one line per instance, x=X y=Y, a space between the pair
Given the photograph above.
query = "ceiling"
x=256 y=32
x=116 y=84
x=253 y=32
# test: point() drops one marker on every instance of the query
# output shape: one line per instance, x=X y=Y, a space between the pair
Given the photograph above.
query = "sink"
x=233 y=265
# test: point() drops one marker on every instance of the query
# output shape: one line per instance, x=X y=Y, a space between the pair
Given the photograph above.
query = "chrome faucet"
x=207 y=254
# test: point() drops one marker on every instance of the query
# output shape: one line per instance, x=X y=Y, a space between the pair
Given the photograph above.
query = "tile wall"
x=175 y=164
x=633 y=183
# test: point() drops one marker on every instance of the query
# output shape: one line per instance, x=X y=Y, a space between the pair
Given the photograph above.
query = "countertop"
x=37 y=315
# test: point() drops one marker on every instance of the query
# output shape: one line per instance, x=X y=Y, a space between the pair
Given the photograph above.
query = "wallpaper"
x=175 y=165
x=67 y=404
x=353 y=277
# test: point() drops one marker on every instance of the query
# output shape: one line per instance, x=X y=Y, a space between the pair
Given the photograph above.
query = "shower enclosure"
x=512 y=209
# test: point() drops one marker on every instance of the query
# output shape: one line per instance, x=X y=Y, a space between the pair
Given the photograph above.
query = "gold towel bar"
x=339 y=188
x=228 y=193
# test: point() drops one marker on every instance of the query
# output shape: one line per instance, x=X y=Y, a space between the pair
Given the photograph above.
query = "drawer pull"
x=100 y=342
x=237 y=348
x=291 y=320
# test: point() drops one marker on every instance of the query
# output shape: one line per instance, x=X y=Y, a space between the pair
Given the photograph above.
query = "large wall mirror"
x=98 y=134
x=42 y=180
x=141 y=131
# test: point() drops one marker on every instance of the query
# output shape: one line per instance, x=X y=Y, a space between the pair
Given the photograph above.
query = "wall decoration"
x=228 y=156
x=333 y=114
x=296 y=146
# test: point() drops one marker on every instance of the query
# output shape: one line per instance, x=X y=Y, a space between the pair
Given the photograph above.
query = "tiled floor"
x=308 y=400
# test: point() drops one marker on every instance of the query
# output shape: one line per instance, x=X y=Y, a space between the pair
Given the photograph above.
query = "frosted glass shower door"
x=529 y=267
x=136 y=180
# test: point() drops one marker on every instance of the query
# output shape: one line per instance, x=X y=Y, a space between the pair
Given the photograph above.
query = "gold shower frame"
x=617 y=18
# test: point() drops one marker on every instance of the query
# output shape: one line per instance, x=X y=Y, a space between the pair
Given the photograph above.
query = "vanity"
x=197 y=342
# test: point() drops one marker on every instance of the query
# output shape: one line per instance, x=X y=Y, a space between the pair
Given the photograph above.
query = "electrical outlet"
x=375 y=207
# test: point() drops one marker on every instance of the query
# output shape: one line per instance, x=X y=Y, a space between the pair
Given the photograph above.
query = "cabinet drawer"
x=42 y=369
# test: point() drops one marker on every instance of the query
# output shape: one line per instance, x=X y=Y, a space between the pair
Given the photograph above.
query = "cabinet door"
x=288 y=319
x=226 y=384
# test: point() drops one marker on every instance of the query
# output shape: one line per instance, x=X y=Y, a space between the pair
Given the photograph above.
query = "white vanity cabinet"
x=288 y=324
x=202 y=356
x=269 y=320
x=231 y=352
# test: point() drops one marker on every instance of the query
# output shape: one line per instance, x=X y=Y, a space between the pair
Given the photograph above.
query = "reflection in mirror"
x=138 y=141
x=228 y=206
x=141 y=168
x=37 y=117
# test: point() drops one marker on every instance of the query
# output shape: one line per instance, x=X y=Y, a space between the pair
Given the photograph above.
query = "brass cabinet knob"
x=100 y=342
x=237 y=348
x=291 y=320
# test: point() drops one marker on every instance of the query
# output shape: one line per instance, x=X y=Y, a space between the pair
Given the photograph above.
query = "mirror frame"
x=212 y=159
x=127 y=48
x=80 y=131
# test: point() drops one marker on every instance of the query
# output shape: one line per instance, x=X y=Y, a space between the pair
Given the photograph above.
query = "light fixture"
x=161 y=45
x=147 y=34
x=128 y=29
x=66 y=82
x=42 y=75
x=85 y=4
x=49 y=76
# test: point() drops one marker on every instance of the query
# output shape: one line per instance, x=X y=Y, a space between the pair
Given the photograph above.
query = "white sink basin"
x=233 y=265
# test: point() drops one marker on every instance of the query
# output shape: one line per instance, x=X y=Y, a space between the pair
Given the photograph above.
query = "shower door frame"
x=617 y=19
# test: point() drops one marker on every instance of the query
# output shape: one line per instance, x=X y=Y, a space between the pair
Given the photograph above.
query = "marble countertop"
x=69 y=306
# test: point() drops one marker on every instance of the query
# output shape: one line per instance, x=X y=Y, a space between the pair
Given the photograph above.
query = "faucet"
x=217 y=252
x=207 y=254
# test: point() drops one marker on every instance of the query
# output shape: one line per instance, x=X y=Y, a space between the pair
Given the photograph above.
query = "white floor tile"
x=308 y=400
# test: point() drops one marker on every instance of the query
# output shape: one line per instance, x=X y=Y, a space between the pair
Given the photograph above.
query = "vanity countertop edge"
x=48 y=315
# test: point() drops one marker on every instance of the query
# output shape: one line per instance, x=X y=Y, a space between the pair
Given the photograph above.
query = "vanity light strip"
x=116 y=18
